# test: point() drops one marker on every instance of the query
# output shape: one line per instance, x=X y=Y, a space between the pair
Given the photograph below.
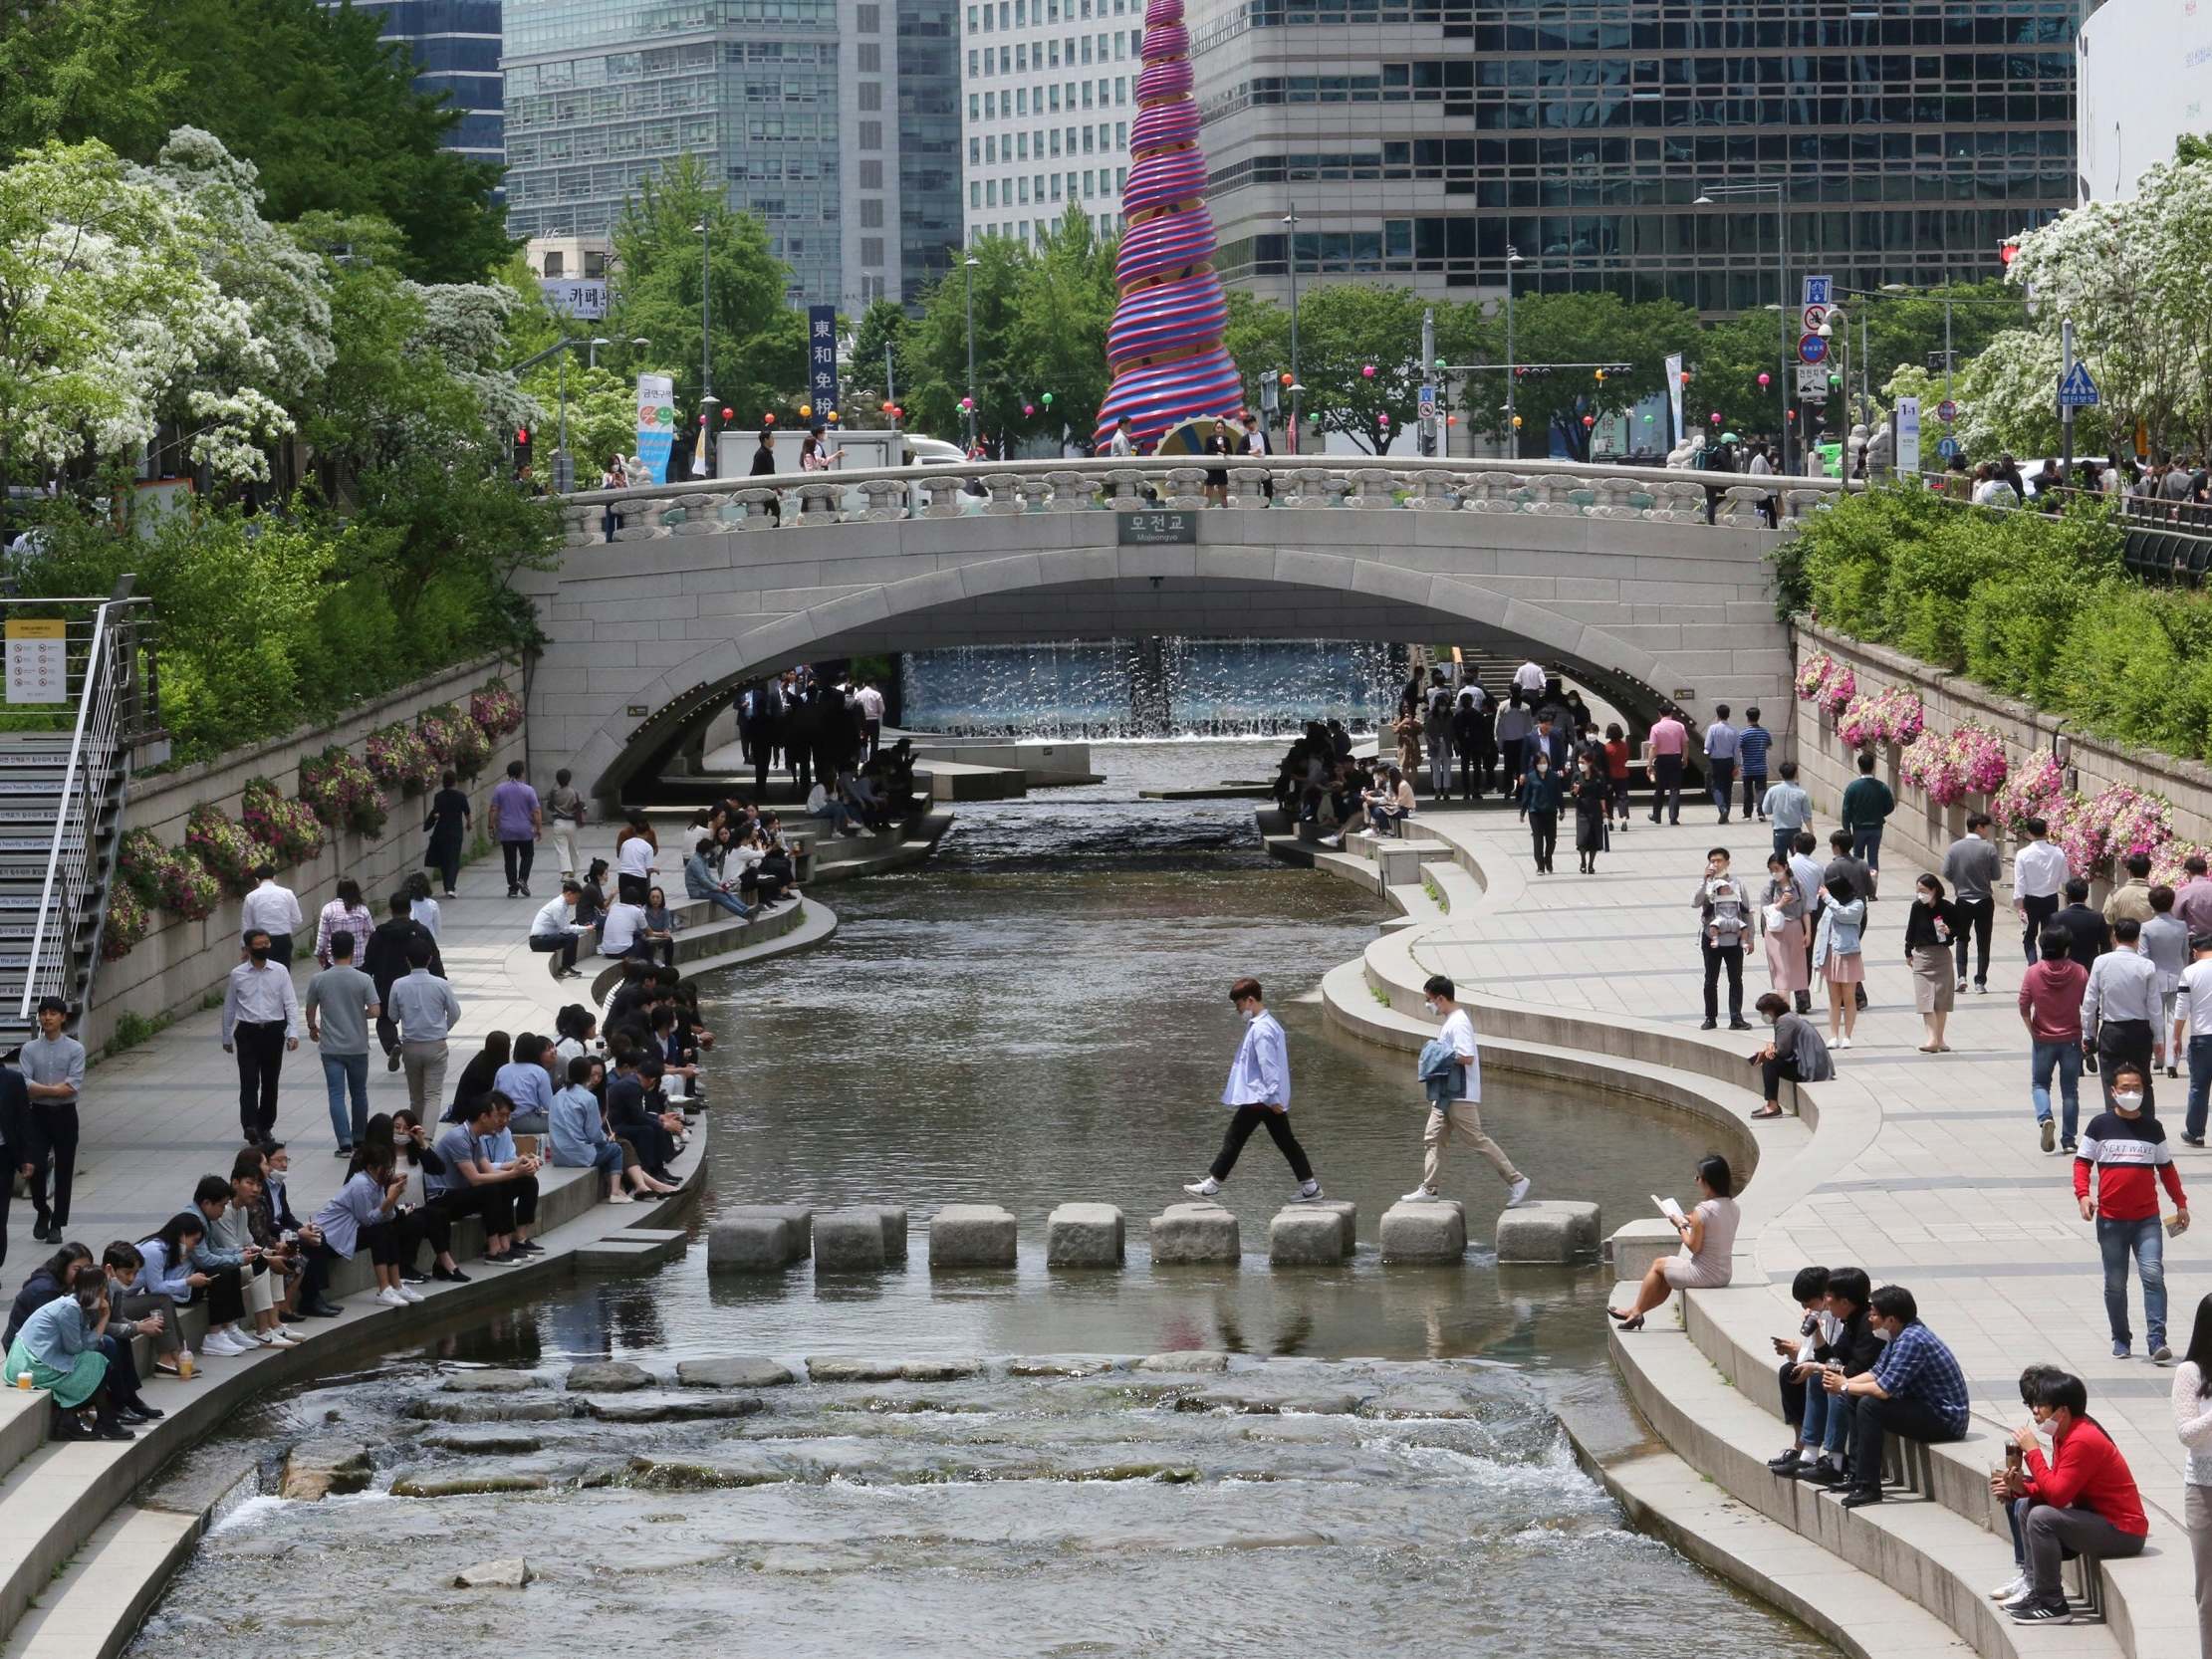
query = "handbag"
x=1775 y=917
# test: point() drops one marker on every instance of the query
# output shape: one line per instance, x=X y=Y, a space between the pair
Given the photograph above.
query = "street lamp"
x=1298 y=381
x=706 y=285
x=969 y=264
x=1513 y=258
x=1706 y=199
x=592 y=350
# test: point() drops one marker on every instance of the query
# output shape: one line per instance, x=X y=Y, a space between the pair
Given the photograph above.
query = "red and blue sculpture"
x=1164 y=347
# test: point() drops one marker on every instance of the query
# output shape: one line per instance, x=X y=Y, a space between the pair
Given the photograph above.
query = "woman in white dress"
x=1707 y=1257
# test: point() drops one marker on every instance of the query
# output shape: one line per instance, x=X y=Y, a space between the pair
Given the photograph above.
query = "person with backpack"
x=1724 y=922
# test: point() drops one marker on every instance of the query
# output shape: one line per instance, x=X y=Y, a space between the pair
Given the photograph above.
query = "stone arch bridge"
x=1612 y=573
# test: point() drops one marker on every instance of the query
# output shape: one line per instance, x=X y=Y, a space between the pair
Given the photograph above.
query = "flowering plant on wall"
x=2035 y=789
x=2117 y=822
x=1899 y=716
x=126 y=923
x=2166 y=864
x=1812 y=674
x=1860 y=725
x=455 y=739
x=289 y=829
x=497 y=710
x=140 y=863
x=1930 y=764
x=225 y=846
x=343 y=792
x=400 y=759
x=1842 y=687
x=1978 y=755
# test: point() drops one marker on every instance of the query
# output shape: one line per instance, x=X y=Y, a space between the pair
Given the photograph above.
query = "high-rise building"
x=830 y=118
x=1047 y=89
x=455 y=46
x=1419 y=139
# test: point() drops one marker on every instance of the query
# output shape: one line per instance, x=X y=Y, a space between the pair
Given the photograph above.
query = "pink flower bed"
x=2035 y=789
x=1929 y=763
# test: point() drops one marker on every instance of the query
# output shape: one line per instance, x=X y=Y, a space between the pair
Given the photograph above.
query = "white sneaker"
x=1307 y=1194
x=220 y=1343
x=390 y=1298
x=281 y=1337
x=1419 y=1195
x=1840 y=1043
x=620 y=1197
x=1518 y=1192
x=2005 y=1592
x=1203 y=1189
x=409 y=1292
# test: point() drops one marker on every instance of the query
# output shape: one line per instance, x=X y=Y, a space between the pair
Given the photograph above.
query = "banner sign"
x=1674 y=397
x=821 y=358
x=656 y=424
x=1905 y=422
x=38 y=660
x=583 y=297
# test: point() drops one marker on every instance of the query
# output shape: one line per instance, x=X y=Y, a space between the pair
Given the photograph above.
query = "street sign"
x=1428 y=402
x=38 y=660
x=1811 y=348
x=1815 y=316
x=1811 y=383
x=2077 y=390
x=1158 y=529
x=1947 y=412
x=583 y=298
x=1905 y=425
x=1947 y=447
x=1819 y=290
x=822 y=359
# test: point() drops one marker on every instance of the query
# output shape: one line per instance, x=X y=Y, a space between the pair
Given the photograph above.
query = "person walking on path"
x=1866 y=806
x=1972 y=866
x=2051 y=995
x=564 y=813
x=2081 y=1499
x=2125 y=1152
x=2087 y=934
x=1668 y=739
x=1931 y=924
x=2192 y=900
x=1837 y=957
x=1795 y=1052
x=272 y=910
x=2193 y=1016
x=1591 y=791
x=1616 y=770
x=2166 y=942
x=54 y=1078
x=2039 y=872
x=1514 y=723
x=1844 y=861
x=1720 y=760
x=1540 y=803
x=1468 y=743
x=386 y=962
x=1461 y=1113
x=2192 y=1422
x=447 y=824
x=346 y=913
x=518 y=819
x=1258 y=1095
x=261 y=1025
x=2120 y=1007
x=1723 y=925
x=1752 y=745
x=425 y=1010
x=340 y=1006
x=2132 y=899
x=1781 y=912
x=1707 y=1259
x=1788 y=807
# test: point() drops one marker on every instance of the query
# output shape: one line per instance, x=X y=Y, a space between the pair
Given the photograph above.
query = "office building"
x=2140 y=67
x=1048 y=90
x=833 y=120
x=1419 y=139
x=455 y=46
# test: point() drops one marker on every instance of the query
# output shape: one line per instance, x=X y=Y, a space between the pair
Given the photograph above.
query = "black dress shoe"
x=140 y=1412
x=110 y=1428
x=324 y=1310
x=69 y=1425
x=1786 y=1462
x=43 y=1231
x=1819 y=1473
x=287 y=1316
x=1859 y=1497
x=451 y=1276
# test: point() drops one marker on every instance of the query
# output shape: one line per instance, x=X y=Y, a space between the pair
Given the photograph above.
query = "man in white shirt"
x=633 y=862
x=554 y=930
x=1121 y=443
x=2039 y=872
x=273 y=911
x=621 y=929
x=1530 y=677
x=2192 y=1018
x=1464 y=1114
x=1258 y=1095
x=871 y=717
x=261 y=1025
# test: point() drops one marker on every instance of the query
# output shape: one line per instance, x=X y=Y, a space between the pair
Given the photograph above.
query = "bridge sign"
x=1811 y=348
x=2077 y=390
x=1157 y=528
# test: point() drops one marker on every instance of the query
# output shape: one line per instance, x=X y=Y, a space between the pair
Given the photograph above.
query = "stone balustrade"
x=1353 y=484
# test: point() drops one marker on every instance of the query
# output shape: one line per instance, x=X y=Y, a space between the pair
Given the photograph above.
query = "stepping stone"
x=893 y=1216
x=1348 y=1216
x=618 y=1255
x=971 y=1236
x=849 y=1241
x=750 y=1244
x=495 y=1442
x=317 y=1468
x=486 y=1382
x=1186 y=1234
x=1187 y=1361
x=798 y=1216
x=1435 y=1231
x=1302 y=1236
x=1052 y=1365
x=1551 y=1231
x=676 y=1408
x=1085 y=1235
x=607 y=1377
x=448 y=1409
x=731 y=1373
x=890 y=1370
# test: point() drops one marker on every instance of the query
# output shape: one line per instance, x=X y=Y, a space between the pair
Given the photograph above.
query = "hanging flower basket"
x=1978 y=755
x=287 y=827
x=496 y=709
x=127 y=923
x=1929 y=763
x=399 y=758
x=1812 y=674
x=343 y=792
x=456 y=740
x=2036 y=789
x=224 y=846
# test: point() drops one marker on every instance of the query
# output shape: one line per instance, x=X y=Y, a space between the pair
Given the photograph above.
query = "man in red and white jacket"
x=2081 y=1498
x=2125 y=1149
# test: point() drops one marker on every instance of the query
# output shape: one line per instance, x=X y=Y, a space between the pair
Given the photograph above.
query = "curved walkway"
x=1923 y=1169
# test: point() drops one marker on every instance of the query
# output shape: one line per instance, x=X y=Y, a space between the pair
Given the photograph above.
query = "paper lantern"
x=1029 y=409
x=1286 y=376
x=1367 y=371
x=1383 y=420
x=1765 y=380
x=967 y=402
x=1046 y=400
x=806 y=411
x=1685 y=376
x=729 y=414
x=1451 y=420
x=1601 y=376
x=1647 y=420
x=1715 y=417
x=831 y=418
x=887 y=409
x=1789 y=414
x=768 y=421
x=1517 y=423
x=702 y=417
x=1590 y=420
x=1440 y=364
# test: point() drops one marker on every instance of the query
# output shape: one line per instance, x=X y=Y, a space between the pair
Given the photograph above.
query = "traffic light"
x=2008 y=250
x=522 y=447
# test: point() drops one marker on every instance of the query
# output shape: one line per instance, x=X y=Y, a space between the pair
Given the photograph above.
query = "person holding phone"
x=361 y=1215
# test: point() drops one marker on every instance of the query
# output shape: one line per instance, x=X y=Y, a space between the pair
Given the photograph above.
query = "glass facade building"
x=1047 y=89
x=807 y=108
x=455 y=45
x=1419 y=139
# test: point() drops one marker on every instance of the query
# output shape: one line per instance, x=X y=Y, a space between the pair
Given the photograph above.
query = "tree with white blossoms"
x=2004 y=394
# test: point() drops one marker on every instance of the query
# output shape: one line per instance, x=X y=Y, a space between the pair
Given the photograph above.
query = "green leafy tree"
x=882 y=338
x=1628 y=340
x=1063 y=303
x=940 y=342
x=1344 y=330
x=602 y=417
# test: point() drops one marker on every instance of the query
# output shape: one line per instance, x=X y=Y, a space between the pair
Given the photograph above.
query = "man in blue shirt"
x=1752 y=743
x=525 y=1080
x=1720 y=759
x=1258 y=1094
x=1915 y=1389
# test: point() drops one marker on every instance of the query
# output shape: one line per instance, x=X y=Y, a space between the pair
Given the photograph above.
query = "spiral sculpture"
x=1164 y=345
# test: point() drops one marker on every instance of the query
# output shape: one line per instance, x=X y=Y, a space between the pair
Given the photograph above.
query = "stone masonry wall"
x=181 y=962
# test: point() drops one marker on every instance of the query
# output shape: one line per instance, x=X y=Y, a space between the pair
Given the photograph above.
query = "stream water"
x=1038 y=1016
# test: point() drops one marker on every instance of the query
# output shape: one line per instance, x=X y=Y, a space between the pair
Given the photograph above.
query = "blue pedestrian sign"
x=1818 y=290
x=1811 y=347
x=1428 y=402
x=1947 y=447
x=2077 y=390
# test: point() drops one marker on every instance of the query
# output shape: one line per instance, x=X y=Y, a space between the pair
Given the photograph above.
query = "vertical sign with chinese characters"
x=38 y=660
x=822 y=359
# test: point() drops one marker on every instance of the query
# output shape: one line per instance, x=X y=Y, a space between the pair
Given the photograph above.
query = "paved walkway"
x=1953 y=1197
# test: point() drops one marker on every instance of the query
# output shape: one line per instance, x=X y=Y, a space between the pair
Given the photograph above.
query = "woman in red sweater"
x=2080 y=1498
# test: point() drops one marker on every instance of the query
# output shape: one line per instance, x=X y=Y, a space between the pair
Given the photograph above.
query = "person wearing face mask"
x=1540 y=803
x=261 y=1025
x=1796 y=1053
x=2121 y=1008
x=1837 y=957
x=1724 y=923
x=1931 y=923
x=2125 y=1152
x=1258 y=1096
x=2078 y=1500
x=1850 y=1352
x=1915 y=1389
x=1457 y=1108
x=1591 y=791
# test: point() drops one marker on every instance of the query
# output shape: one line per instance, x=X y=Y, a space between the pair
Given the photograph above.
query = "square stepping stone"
x=1548 y=1231
x=1085 y=1235
x=1189 y=1234
x=749 y=1244
x=892 y=1219
x=849 y=1241
x=1348 y=1216
x=1435 y=1231
x=1302 y=1236
x=800 y=1218
x=971 y=1236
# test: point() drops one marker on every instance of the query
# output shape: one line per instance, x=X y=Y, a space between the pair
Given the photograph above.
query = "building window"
x=871 y=134
x=871 y=213
x=1020 y=58
x=1087 y=141
x=975 y=152
x=872 y=175
x=971 y=19
x=1024 y=190
x=1021 y=100
x=991 y=192
x=1056 y=187
x=872 y=94
x=872 y=250
x=990 y=105
x=1087 y=95
x=1056 y=140
x=1120 y=89
x=1021 y=143
x=868 y=20
x=975 y=193
x=975 y=108
x=1054 y=90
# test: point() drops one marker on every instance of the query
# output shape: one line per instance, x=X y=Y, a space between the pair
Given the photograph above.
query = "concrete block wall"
x=177 y=964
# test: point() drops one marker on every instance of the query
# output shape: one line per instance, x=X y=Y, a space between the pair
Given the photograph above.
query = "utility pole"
x=1428 y=358
x=706 y=373
x=2065 y=409
x=1298 y=381
x=1513 y=424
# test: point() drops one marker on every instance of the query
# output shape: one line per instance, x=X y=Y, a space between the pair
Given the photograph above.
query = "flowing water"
x=1366 y=1460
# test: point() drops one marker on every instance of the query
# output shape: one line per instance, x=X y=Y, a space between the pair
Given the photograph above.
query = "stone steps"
x=92 y=1609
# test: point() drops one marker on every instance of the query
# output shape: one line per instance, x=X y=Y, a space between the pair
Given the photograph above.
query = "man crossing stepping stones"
x=1258 y=1095
x=1455 y=1097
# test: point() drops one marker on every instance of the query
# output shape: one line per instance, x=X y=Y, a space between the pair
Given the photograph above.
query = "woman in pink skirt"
x=1837 y=958
x=1785 y=952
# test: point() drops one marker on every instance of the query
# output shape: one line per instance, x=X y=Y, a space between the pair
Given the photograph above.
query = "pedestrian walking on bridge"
x=1258 y=1096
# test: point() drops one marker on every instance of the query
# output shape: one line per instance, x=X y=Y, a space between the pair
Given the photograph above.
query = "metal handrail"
x=95 y=721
